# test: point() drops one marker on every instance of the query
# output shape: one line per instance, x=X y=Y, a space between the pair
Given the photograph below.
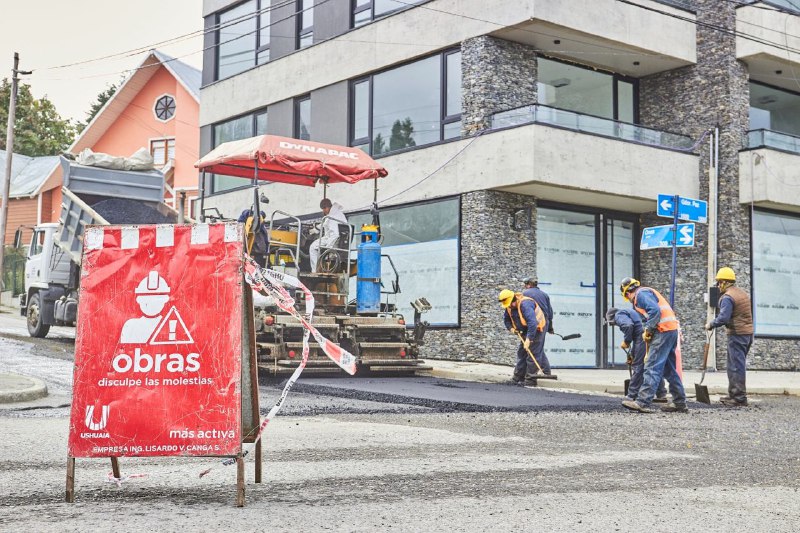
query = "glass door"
x=565 y=259
x=573 y=259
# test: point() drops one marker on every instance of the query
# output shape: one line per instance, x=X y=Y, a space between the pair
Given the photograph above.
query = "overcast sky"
x=49 y=33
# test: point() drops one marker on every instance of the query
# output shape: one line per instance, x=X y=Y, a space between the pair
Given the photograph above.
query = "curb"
x=21 y=389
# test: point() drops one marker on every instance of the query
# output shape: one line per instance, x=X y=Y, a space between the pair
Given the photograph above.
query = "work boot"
x=633 y=405
x=675 y=408
x=661 y=399
x=515 y=381
x=730 y=402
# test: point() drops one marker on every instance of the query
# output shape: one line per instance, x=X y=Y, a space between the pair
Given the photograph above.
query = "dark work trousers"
x=638 y=351
x=525 y=364
x=537 y=347
x=738 y=346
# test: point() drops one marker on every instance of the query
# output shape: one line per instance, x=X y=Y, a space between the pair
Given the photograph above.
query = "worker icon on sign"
x=152 y=294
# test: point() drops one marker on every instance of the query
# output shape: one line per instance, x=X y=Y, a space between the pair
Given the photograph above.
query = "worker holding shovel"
x=736 y=314
x=630 y=323
x=524 y=317
x=661 y=333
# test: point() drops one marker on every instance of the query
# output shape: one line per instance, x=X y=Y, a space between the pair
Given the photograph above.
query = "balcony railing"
x=604 y=127
x=773 y=139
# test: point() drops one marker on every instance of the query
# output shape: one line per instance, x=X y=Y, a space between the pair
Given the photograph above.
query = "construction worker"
x=532 y=290
x=736 y=314
x=524 y=317
x=661 y=333
x=630 y=323
x=333 y=215
x=257 y=239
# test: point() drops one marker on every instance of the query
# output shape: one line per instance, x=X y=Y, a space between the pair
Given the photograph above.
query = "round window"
x=165 y=107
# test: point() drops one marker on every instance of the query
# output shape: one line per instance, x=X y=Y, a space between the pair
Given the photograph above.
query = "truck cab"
x=47 y=279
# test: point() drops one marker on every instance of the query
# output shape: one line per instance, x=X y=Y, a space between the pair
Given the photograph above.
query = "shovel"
x=700 y=390
x=541 y=374
x=569 y=337
x=630 y=370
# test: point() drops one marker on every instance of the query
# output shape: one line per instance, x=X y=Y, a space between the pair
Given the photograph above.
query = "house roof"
x=189 y=77
x=28 y=174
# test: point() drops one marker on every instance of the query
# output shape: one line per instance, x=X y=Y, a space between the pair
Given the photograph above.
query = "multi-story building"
x=533 y=138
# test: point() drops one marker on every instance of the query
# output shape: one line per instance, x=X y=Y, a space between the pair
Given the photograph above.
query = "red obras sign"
x=159 y=342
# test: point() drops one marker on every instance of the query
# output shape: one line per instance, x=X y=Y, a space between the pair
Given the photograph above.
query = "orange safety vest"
x=540 y=319
x=668 y=320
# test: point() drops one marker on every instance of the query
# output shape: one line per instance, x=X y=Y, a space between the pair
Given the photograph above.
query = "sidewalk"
x=15 y=388
x=613 y=381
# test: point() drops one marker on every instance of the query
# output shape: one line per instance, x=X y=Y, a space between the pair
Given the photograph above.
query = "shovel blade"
x=627 y=386
x=701 y=393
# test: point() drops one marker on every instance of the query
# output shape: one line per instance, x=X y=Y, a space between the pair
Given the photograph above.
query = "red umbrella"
x=287 y=160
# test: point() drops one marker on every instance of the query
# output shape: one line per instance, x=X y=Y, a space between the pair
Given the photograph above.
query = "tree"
x=98 y=104
x=378 y=145
x=402 y=135
x=38 y=129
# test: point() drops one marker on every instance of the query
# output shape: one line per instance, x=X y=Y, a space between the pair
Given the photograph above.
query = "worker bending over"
x=736 y=314
x=532 y=290
x=661 y=333
x=524 y=317
x=630 y=323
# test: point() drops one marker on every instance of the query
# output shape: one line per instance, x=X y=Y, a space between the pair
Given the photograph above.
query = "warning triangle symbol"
x=172 y=330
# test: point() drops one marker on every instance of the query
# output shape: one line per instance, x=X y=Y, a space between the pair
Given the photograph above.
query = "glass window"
x=619 y=264
x=264 y=23
x=162 y=151
x=237 y=40
x=423 y=242
x=261 y=123
x=302 y=118
x=361 y=111
x=776 y=274
x=233 y=130
x=367 y=10
x=774 y=109
x=305 y=23
x=243 y=38
x=586 y=91
x=411 y=105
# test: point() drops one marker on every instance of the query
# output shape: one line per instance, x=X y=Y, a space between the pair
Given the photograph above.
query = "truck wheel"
x=36 y=327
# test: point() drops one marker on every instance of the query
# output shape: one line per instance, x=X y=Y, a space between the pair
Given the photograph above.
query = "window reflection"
x=237 y=41
x=774 y=109
x=776 y=274
x=233 y=130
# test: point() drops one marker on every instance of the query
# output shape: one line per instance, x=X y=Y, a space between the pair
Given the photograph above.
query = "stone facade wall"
x=692 y=100
x=497 y=75
x=493 y=257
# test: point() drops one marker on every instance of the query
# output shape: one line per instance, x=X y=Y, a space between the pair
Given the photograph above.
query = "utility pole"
x=12 y=111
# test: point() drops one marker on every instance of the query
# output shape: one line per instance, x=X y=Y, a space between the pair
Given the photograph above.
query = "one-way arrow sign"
x=661 y=237
x=688 y=208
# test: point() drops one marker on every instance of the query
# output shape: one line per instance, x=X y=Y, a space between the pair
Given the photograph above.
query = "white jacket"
x=330 y=228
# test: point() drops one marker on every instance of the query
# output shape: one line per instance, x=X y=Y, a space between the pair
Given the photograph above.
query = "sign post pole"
x=676 y=200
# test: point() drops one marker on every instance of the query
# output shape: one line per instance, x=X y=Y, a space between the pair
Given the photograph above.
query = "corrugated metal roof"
x=27 y=173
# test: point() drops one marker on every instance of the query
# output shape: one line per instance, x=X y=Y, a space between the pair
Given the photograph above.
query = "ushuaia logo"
x=155 y=328
x=96 y=428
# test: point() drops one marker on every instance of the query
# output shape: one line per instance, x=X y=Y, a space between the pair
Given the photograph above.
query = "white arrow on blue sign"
x=688 y=208
x=661 y=237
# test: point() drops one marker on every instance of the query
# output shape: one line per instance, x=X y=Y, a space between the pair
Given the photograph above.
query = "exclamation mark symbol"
x=173 y=325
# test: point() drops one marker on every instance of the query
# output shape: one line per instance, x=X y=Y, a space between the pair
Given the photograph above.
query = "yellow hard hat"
x=628 y=284
x=726 y=274
x=505 y=297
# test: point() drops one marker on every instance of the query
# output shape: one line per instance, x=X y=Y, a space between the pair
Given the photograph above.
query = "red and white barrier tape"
x=273 y=284
x=120 y=480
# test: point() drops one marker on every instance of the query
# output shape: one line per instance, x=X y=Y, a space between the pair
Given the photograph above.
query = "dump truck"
x=354 y=281
x=90 y=195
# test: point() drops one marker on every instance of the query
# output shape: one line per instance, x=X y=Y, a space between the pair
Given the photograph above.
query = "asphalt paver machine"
x=369 y=328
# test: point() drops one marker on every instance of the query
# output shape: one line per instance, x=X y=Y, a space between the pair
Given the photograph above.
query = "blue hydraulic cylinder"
x=368 y=274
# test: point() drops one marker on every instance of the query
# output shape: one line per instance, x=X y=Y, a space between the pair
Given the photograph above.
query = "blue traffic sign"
x=661 y=237
x=688 y=208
